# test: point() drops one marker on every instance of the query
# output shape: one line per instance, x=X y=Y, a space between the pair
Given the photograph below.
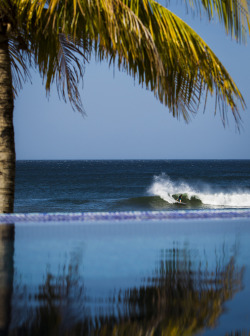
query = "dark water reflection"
x=7 y=233
x=185 y=291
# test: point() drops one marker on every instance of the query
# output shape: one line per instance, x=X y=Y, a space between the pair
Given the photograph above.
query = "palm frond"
x=63 y=65
x=5 y=9
x=19 y=67
x=69 y=71
x=189 y=63
x=113 y=31
x=144 y=38
x=234 y=14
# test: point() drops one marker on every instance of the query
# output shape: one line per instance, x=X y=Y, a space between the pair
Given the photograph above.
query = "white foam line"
x=123 y=216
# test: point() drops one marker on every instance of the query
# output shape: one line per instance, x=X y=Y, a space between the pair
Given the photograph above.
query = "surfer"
x=179 y=198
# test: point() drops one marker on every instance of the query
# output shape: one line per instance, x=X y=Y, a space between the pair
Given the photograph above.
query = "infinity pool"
x=156 y=277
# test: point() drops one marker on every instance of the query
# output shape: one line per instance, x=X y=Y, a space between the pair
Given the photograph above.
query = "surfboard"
x=181 y=203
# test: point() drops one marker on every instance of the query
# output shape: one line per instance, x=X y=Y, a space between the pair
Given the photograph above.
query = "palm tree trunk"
x=7 y=146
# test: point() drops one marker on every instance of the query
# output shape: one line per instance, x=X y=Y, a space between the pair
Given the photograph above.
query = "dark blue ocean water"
x=79 y=186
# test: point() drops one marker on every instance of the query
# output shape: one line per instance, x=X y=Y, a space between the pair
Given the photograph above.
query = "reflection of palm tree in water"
x=6 y=275
x=180 y=299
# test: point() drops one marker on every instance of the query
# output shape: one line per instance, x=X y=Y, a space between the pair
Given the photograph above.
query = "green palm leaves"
x=233 y=13
x=142 y=37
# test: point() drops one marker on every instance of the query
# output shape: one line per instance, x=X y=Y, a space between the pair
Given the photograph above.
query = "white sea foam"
x=164 y=187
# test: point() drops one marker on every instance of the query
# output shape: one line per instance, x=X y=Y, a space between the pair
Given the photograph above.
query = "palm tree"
x=140 y=36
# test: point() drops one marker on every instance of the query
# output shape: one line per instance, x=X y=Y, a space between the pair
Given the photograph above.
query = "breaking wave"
x=199 y=192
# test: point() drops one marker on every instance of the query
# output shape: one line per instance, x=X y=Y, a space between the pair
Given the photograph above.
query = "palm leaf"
x=190 y=64
x=234 y=14
x=61 y=65
x=69 y=71
x=19 y=67
x=125 y=40
x=142 y=37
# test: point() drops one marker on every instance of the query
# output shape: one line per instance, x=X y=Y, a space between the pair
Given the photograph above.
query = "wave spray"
x=169 y=190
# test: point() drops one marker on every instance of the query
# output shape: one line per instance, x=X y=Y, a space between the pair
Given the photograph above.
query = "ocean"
x=131 y=185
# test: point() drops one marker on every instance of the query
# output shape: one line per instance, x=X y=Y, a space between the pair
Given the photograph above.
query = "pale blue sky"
x=125 y=121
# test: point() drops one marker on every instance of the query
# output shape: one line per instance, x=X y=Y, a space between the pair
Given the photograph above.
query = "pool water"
x=162 y=277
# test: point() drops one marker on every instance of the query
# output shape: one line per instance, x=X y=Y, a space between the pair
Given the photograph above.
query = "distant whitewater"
x=199 y=193
x=124 y=185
